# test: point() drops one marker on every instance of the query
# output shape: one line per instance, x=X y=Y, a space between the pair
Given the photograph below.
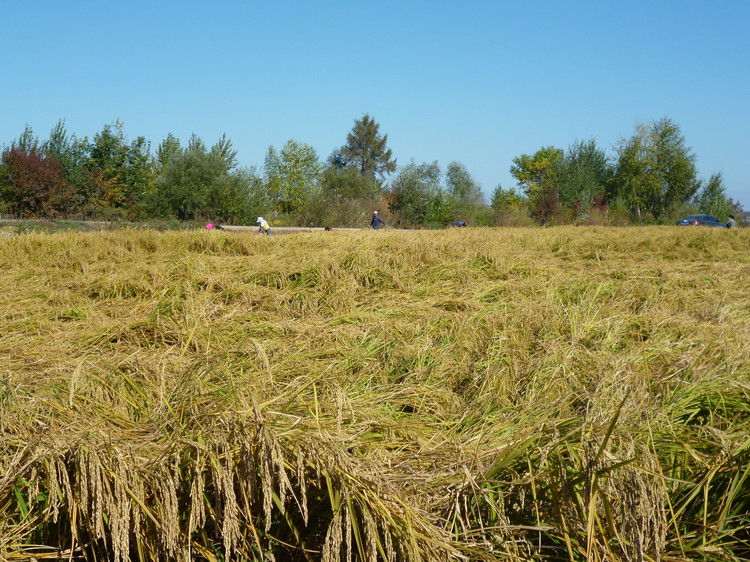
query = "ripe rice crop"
x=469 y=394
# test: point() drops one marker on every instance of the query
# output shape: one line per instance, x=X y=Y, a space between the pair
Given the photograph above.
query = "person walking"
x=264 y=228
x=376 y=221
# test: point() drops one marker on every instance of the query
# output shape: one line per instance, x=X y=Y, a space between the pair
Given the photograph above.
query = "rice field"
x=567 y=393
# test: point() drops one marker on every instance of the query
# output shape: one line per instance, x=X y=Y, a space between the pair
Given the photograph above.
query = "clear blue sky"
x=479 y=82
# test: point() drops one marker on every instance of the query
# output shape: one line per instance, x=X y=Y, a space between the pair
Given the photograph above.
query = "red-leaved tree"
x=33 y=184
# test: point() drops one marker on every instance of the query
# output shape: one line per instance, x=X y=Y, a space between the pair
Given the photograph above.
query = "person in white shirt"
x=264 y=227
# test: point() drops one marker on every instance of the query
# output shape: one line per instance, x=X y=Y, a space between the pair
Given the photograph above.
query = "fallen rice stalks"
x=483 y=395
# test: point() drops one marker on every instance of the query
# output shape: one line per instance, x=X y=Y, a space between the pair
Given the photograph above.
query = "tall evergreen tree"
x=366 y=150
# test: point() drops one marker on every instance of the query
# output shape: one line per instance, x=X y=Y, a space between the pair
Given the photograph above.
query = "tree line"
x=650 y=178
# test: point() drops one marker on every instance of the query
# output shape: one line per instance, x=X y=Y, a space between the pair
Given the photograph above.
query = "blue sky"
x=479 y=82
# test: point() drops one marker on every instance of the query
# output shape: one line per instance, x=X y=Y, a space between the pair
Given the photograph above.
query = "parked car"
x=700 y=220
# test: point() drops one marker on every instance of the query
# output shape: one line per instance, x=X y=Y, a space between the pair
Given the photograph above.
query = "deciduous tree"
x=502 y=199
x=655 y=170
x=340 y=182
x=712 y=199
x=533 y=172
x=33 y=183
x=124 y=172
x=582 y=174
x=166 y=149
x=535 y=175
x=291 y=174
x=73 y=153
x=417 y=196
x=196 y=182
x=27 y=141
x=462 y=187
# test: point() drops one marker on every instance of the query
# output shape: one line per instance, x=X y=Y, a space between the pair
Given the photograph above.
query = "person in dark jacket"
x=376 y=221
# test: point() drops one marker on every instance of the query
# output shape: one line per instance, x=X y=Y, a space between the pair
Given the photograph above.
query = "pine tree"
x=365 y=149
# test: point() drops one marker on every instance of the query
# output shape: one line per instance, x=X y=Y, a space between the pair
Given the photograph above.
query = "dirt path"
x=282 y=229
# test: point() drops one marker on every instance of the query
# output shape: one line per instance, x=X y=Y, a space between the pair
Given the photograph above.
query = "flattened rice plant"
x=561 y=394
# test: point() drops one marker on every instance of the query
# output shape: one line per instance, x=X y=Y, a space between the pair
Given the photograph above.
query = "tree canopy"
x=712 y=199
x=366 y=150
x=462 y=187
x=535 y=174
x=198 y=183
x=649 y=177
x=416 y=193
x=291 y=174
x=582 y=174
x=34 y=184
x=655 y=170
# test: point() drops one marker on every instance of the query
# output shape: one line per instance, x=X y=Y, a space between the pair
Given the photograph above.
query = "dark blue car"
x=700 y=220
